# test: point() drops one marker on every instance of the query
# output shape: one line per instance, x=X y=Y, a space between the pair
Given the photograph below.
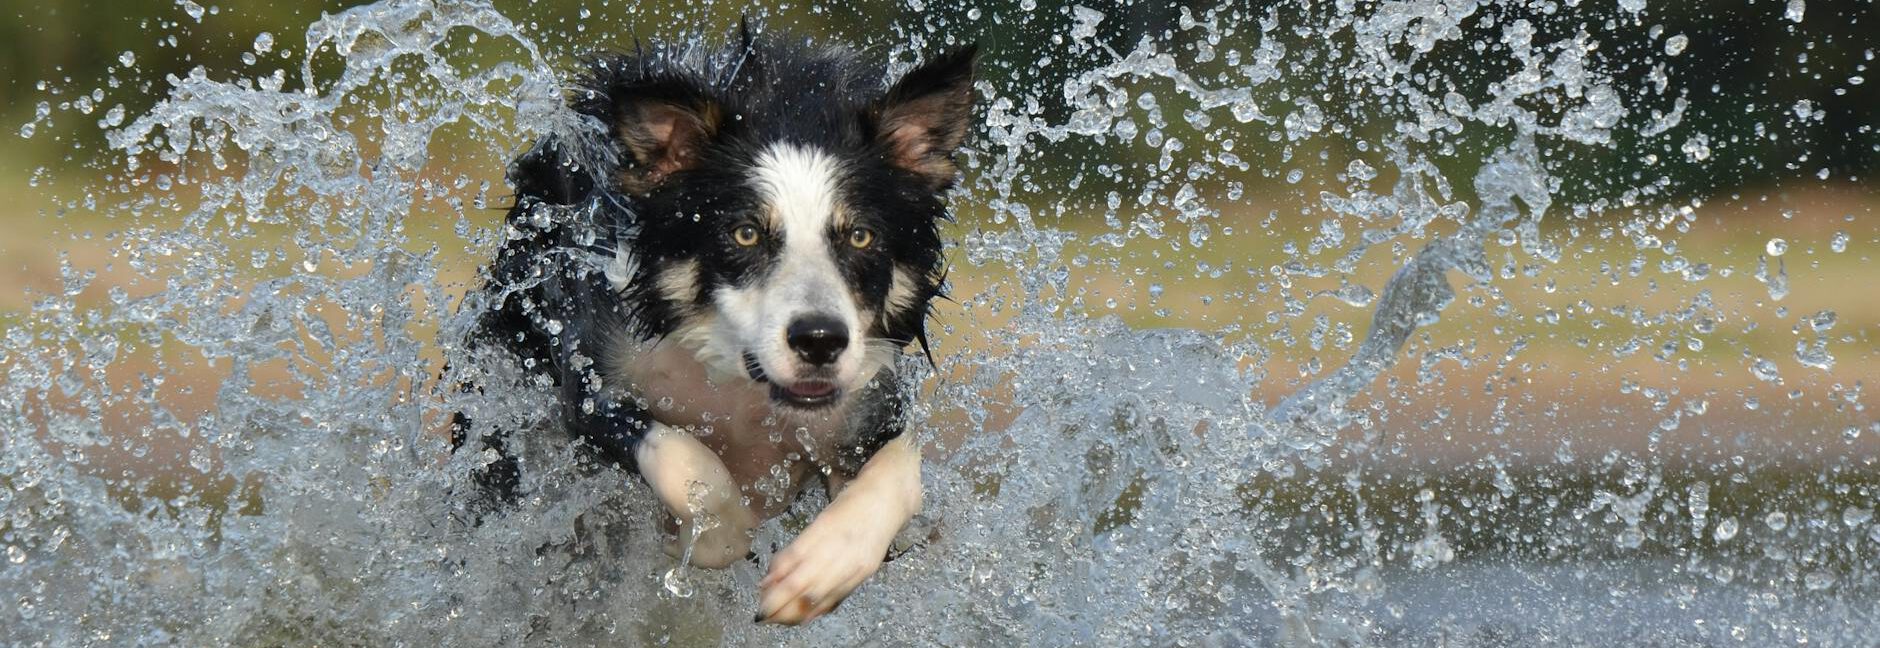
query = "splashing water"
x=233 y=434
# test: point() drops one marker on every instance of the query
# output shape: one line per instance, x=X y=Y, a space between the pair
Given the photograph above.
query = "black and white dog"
x=766 y=220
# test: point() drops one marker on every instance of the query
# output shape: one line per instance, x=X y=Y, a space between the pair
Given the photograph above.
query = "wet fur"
x=617 y=266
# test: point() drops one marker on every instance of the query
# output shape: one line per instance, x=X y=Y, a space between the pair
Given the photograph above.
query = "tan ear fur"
x=926 y=116
x=663 y=138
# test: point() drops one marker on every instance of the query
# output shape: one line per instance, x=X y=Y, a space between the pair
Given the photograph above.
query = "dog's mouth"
x=806 y=394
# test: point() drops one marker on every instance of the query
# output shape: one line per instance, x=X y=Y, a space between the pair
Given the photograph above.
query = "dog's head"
x=787 y=205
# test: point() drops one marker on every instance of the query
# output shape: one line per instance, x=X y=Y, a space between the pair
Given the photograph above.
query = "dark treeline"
x=1743 y=72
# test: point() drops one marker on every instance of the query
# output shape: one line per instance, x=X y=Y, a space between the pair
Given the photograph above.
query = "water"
x=1146 y=429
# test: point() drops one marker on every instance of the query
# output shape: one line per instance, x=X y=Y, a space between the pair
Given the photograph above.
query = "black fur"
x=678 y=127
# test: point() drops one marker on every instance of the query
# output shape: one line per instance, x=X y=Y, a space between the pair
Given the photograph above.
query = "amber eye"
x=861 y=237
x=746 y=235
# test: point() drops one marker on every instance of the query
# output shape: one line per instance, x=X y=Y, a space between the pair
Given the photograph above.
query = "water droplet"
x=1355 y=294
x=264 y=43
x=15 y=554
x=1854 y=516
x=1765 y=370
x=1697 y=148
x=1086 y=25
x=1818 y=580
x=1776 y=247
x=1822 y=321
x=1838 y=243
x=1778 y=281
x=1795 y=10
x=676 y=583
x=127 y=58
x=1305 y=121
x=194 y=10
x=1675 y=45
x=1631 y=538
x=1776 y=521
x=1726 y=530
x=26 y=131
x=1814 y=355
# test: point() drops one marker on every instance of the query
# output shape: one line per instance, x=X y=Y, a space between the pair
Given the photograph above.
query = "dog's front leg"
x=693 y=483
x=847 y=542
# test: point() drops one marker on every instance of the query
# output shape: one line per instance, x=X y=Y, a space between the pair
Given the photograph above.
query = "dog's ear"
x=664 y=126
x=926 y=115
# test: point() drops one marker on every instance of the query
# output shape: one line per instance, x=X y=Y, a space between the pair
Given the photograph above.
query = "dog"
x=720 y=282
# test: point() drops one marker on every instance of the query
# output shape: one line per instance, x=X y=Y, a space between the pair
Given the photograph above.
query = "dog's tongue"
x=812 y=389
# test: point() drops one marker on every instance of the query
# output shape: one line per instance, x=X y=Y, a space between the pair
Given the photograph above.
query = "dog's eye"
x=746 y=235
x=861 y=237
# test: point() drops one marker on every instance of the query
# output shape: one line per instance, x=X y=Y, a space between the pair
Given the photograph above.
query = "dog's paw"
x=822 y=567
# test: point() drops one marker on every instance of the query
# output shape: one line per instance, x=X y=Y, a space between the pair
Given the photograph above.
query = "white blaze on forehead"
x=799 y=188
x=799 y=184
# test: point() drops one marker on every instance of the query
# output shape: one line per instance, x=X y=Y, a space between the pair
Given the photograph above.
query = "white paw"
x=822 y=567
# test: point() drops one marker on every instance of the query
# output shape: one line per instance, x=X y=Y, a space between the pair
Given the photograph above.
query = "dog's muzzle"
x=806 y=394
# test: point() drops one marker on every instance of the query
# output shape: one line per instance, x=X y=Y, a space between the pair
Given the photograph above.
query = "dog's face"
x=789 y=219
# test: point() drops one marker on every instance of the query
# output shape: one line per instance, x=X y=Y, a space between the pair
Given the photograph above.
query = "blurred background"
x=1788 y=133
x=1693 y=311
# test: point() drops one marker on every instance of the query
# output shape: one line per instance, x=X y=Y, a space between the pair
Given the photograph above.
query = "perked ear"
x=926 y=115
x=664 y=126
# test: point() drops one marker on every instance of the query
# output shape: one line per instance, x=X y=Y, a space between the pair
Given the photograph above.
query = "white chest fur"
x=770 y=451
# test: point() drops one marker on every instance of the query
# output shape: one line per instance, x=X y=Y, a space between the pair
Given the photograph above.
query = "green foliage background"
x=1753 y=63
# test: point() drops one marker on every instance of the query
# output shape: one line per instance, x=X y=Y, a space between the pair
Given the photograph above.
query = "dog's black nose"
x=818 y=339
